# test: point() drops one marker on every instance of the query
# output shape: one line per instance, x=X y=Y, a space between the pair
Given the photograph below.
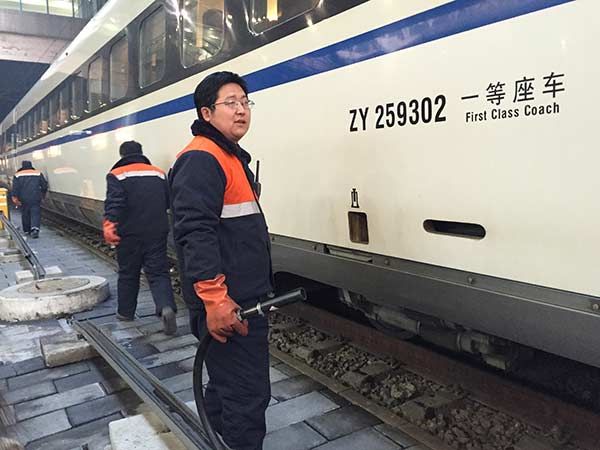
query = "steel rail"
x=172 y=411
x=36 y=266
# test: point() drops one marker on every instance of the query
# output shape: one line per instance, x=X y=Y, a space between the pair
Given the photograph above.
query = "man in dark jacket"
x=135 y=220
x=29 y=187
x=224 y=255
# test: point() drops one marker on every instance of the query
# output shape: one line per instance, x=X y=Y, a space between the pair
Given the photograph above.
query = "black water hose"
x=261 y=309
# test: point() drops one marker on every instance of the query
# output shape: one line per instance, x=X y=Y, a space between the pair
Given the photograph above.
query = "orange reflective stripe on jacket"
x=239 y=199
x=28 y=173
x=137 y=170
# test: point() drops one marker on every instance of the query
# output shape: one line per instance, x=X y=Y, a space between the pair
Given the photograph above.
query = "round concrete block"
x=51 y=297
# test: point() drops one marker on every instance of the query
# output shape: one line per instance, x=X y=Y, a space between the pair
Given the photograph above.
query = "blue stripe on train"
x=447 y=20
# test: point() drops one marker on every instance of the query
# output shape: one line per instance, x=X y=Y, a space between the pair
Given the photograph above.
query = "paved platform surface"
x=70 y=407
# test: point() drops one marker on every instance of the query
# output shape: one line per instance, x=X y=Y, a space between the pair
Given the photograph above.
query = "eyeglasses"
x=235 y=104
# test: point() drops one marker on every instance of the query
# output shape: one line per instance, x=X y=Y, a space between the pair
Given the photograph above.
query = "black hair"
x=130 y=148
x=206 y=92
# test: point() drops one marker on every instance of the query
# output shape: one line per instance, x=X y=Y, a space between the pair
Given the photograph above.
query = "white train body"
x=476 y=116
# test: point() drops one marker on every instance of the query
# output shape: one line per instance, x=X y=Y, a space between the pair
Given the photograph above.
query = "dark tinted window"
x=270 y=13
x=44 y=116
x=10 y=139
x=34 y=126
x=119 y=69
x=20 y=131
x=64 y=105
x=152 y=48
x=202 y=30
x=78 y=96
x=96 y=84
x=53 y=111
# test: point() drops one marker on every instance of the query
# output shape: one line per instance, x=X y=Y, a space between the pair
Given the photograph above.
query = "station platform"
x=70 y=407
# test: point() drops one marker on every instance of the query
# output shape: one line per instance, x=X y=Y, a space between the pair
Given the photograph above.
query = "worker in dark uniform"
x=224 y=255
x=136 y=221
x=29 y=187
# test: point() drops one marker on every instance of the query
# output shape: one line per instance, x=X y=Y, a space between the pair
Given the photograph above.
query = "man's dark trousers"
x=149 y=252
x=239 y=389
x=30 y=216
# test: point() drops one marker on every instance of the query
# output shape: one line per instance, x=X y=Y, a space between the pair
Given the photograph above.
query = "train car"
x=433 y=161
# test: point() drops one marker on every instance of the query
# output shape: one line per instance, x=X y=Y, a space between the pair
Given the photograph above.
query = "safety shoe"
x=123 y=318
x=167 y=316
x=35 y=233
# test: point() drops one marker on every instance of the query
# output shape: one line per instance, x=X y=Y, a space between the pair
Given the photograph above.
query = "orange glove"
x=16 y=201
x=110 y=232
x=221 y=317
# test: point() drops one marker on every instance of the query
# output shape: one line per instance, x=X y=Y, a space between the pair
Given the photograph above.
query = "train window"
x=78 y=96
x=43 y=118
x=270 y=13
x=29 y=127
x=64 y=105
x=96 y=84
x=24 y=129
x=202 y=30
x=37 y=122
x=10 y=138
x=153 y=47
x=31 y=124
x=12 y=134
x=53 y=112
x=19 y=131
x=6 y=146
x=119 y=69
x=34 y=126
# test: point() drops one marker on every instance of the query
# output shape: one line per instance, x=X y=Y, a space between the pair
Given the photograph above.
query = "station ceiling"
x=17 y=78
x=29 y=42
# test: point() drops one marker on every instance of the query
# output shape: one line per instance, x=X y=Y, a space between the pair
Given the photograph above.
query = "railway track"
x=464 y=406
x=467 y=407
